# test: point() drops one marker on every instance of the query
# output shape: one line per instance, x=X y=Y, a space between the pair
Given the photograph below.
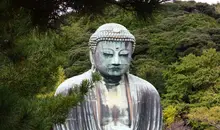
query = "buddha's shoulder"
x=69 y=83
x=141 y=84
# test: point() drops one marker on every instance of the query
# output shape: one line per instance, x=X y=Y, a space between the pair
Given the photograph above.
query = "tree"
x=193 y=82
x=44 y=12
x=210 y=116
x=192 y=75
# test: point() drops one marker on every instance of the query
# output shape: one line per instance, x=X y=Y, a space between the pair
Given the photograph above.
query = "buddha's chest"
x=114 y=109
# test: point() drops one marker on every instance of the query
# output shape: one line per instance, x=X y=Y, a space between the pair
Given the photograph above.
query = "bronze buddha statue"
x=120 y=101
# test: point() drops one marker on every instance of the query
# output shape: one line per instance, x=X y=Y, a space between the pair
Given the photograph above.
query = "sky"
x=206 y=1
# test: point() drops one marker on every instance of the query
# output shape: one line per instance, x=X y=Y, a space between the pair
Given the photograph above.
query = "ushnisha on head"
x=111 y=48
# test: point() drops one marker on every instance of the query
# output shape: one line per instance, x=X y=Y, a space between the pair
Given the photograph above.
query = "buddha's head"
x=111 y=48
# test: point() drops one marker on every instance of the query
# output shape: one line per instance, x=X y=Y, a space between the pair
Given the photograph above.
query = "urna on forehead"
x=111 y=32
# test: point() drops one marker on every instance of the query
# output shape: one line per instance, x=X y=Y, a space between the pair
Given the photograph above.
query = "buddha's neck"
x=111 y=81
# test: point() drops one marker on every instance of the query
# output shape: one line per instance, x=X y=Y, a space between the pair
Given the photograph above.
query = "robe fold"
x=143 y=99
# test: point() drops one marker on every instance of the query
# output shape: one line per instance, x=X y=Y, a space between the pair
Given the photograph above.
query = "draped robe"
x=143 y=101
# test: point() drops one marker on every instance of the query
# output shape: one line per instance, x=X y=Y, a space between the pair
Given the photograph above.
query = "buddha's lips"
x=115 y=68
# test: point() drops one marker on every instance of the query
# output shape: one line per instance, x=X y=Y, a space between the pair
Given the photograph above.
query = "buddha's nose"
x=116 y=61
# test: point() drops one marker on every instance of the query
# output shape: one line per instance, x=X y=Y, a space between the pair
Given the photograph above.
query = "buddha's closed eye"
x=108 y=53
x=123 y=53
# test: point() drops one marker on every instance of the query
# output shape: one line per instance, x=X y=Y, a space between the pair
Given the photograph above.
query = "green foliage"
x=151 y=70
x=169 y=115
x=48 y=13
x=210 y=116
x=39 y=112
x=203 y=8
x=33 y=64
x=194 y=43
x=177 y=35
x=8 y=107
x=96 y=77
x=194 y=80
x=191 y=75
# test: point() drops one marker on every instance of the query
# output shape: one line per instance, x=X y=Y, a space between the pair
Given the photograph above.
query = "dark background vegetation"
x=177 y=51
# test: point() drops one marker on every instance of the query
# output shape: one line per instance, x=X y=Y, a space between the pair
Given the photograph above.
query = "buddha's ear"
x=91 y=57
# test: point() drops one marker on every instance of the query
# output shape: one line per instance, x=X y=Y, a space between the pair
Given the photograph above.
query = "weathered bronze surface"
x=120 y=101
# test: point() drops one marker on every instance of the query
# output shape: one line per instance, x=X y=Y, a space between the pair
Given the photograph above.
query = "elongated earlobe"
x=91 y=57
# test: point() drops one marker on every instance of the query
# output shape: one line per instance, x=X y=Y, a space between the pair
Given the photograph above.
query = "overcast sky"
x=206 y=1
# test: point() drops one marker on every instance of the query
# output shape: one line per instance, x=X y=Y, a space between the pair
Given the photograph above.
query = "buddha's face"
x=112 y=58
